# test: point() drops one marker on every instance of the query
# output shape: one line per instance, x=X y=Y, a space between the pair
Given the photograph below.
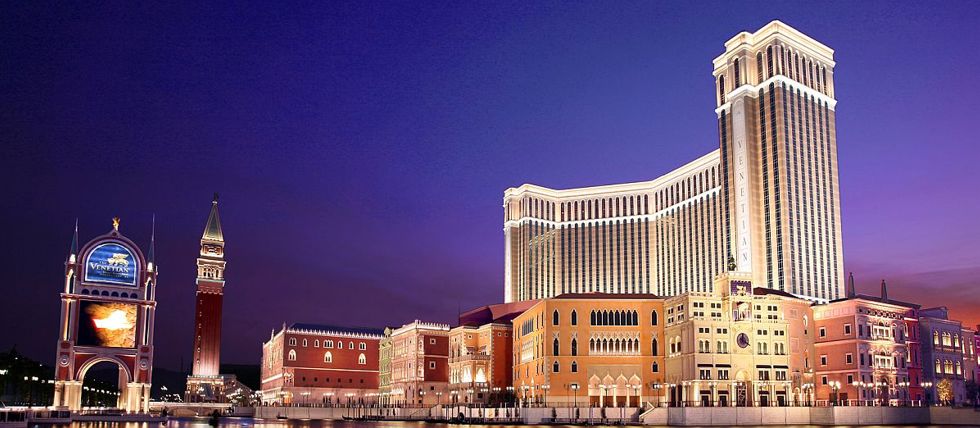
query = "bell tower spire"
x=205 y=383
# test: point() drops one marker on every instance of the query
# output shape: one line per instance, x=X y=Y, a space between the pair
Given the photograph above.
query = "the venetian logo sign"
x=111 y=263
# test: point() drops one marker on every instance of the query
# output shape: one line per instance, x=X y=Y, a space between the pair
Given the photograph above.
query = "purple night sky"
x=362 y=149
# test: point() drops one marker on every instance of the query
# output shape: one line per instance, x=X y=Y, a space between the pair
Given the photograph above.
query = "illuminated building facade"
x=205 y=383
x=913 y=342
x=943 y=355
x=318 y=364
x=863 y=353
x=738 y=346
x=767 y=199
x=108 y=306
x=419 y=363
x=590 y=349
x=480 y=354
x=384 y=367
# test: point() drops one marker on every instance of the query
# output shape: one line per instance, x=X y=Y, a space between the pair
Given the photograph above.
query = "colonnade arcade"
x=620 y=391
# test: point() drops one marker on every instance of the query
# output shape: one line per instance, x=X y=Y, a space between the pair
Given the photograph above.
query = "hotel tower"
x=766 y=202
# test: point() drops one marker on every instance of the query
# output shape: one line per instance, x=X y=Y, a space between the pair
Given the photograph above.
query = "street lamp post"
x=545 y=388
x=575 y=394
x=657 y=386
x=834 y=386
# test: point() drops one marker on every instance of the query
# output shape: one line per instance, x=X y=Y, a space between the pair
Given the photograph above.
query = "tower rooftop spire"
x=153 y=236
x=74 y=242
x=212 y=232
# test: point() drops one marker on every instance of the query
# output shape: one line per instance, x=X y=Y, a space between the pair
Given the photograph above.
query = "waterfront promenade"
x=657 y=416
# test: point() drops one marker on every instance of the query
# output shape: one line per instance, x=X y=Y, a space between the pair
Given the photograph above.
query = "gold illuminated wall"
x=776 y=119
x=767 y=199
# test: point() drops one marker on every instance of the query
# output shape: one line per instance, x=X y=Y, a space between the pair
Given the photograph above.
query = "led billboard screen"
x=106 y=324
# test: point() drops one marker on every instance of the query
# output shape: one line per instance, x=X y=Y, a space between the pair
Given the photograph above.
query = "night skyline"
x=361 y=155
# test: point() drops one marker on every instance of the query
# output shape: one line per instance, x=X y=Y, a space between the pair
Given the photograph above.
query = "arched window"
x=328 y=344
x=328 y=357
x=721 y=89
x=340 y=344
x=292 y=341
x=554 y=317
x=361 y=346
x=361 y=359
x=555 y=368
x=935 y=337
x=796 y=63
x=554 y=347
x=654 y=348
x=655 y=368
x=574 y=367
x=653 y=318
x=350 y=345
x=758 y=67
x=574 y=317
x=292 y=355
x=304 y=343
x=316 y=343
x=769 y=60
x=592 y=318
x=574 y=347
x=636 y=318
x=738 y=74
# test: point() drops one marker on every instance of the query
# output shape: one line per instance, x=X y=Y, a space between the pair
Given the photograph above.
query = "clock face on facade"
x=743 y=340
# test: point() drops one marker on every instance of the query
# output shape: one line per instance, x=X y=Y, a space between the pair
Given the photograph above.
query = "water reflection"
x=266 y=423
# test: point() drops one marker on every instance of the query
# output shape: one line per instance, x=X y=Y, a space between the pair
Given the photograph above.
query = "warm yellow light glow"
x=115 y=321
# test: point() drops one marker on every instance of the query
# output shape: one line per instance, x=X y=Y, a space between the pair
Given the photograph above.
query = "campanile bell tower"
x=205 y=383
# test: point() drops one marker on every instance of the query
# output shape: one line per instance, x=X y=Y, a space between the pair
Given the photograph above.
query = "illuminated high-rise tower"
x=766 y=203
x=205 y=383
x=776 y=119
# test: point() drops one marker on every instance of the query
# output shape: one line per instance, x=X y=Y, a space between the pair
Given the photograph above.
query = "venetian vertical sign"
x=743 y=260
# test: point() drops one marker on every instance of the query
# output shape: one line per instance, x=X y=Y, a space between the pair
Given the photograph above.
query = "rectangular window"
x=823 y=360
x=849 y=358
x=847 y=329
x=432 y=365
x=823 y=332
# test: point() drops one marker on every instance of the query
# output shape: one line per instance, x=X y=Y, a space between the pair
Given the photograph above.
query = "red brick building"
x=419 y=364
x=320 y=364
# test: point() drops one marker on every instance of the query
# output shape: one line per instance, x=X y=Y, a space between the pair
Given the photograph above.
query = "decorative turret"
x=151 y=256
x=884 y=290
x=850 y=286
x=73 y=251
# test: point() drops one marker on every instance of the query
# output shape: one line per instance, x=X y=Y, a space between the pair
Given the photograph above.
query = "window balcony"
x=469 y=357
